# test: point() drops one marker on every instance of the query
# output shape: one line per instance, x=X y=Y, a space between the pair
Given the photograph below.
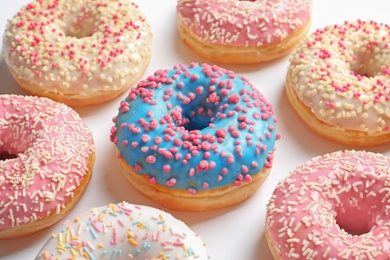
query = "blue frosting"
x=195 y=128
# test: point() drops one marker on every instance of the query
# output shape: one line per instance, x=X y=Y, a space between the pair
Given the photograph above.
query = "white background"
x=235 y=232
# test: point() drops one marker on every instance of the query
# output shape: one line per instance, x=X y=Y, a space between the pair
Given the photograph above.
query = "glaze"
x=334 y=206
x=124 y=231
x=50 y=151
x=78 y=52
x=243 y=23
x=341 y=73
x=195 y=127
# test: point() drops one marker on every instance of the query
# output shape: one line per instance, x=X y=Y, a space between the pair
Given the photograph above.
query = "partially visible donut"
x=195 y=137
x=338 y=82
x=243 y=32
x=334 y=206
x=79 y=52
x=124 y=231
x=48 y=156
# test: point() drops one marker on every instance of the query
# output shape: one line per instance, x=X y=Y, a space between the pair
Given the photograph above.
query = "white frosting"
x=124 y=231
x=71 y=47
x=342 y=73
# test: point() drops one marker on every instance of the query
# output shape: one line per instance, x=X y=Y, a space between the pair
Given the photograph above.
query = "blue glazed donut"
x=194 y=132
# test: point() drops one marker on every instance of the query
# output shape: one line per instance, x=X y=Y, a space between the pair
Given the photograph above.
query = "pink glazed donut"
x=243 y=32
x=334 y=206
x=46 y=160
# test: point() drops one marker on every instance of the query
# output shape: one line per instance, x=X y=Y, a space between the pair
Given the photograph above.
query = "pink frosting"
x=45 y=150
x=244 y=23
x=335 y=206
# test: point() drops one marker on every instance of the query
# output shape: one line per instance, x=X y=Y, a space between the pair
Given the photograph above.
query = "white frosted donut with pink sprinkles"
x=338 y=82
x=46 y=160
x=79 y=52
x=335 y=206
x=124 y=231
x=243 y=32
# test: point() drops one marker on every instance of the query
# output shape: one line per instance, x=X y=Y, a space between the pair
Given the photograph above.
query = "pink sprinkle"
x=205 y=185
x=166 y=168
x=192 y=191
x=157 y=140
x=199 y=90
x=212 y=165
x=150 y=159
x=145 y=138
x=237 y=183
x=137 y=168
x=248 y=178
x=171 y=182
x=235 y=133
x=152 y=180
x=243 y=125
x=230 y=159
x=234 y=98
x=224 y=171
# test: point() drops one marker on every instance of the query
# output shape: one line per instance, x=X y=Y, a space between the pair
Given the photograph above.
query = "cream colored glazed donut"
x=338 y=82
x=46 y=160
x=243 y=32
x=124 y=231
x=335 y=206
x=79 y=52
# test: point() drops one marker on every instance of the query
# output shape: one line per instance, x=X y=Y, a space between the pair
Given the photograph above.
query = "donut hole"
x=7 y=156
x=78 y=23
x=80 y=31
x=197 y=123
x=353 y=218
x=364 y=64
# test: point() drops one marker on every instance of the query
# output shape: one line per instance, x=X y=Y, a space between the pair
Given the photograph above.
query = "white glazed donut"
x=124 y=231
x=79 y=52
x=338 y=82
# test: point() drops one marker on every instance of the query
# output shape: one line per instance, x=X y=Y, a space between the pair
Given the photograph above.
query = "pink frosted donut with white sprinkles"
x=79 y=52
x=124 y=231
x=338 y=82
x=335 y=206
x=243 y=32
x=46 y=160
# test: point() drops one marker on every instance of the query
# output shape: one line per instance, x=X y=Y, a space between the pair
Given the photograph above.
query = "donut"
x=195 y=137
x=47 y=155
x=337 y=82
x=242 y=32
x=78 y=52
x=124 y=231
x=335 y=206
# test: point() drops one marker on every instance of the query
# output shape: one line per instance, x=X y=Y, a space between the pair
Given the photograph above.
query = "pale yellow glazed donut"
x=338 y=79
x=80 y=52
